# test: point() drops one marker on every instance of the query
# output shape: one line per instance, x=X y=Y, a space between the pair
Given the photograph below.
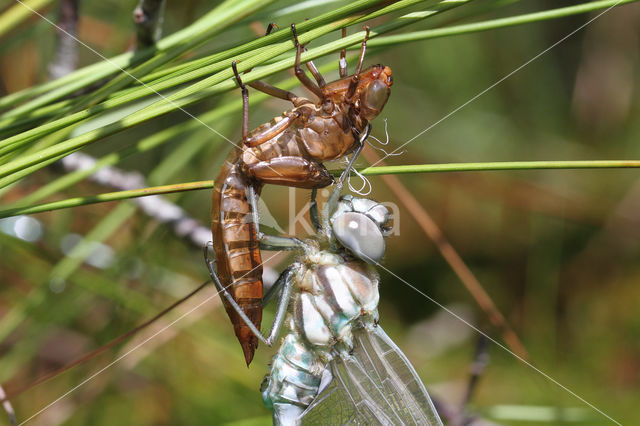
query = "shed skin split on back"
x=289 y=150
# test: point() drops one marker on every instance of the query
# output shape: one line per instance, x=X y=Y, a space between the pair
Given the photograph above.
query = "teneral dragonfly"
x=336 y=365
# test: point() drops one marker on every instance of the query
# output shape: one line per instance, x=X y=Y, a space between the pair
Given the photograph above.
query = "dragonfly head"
x=361 y=225
x=376 y=87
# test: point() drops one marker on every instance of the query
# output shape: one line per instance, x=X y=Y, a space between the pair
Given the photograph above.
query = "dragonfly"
x=336 y=365
x=289 y=150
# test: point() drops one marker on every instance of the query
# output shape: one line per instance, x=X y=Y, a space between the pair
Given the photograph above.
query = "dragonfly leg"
x=279 y=93
x=285 y=280
x=353 y=84
x=272 y=90
x=270 y=28
x=342 y=65
x=274 y=289
x=291 y=171
x=271 y=132
x=302 y=76
x=280 y=311
x=314 y=71
x=277 y=243
x=313 y=210
x=331 y=204
x=269 y=242
x=275 y=130
x=245 y=102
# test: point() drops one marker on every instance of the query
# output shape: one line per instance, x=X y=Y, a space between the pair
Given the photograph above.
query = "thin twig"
x=479 y=364
x=102 y=348
x=66 y=58
x=154 y=206
x=148 y=17
x=6 y=404
x=64 y=62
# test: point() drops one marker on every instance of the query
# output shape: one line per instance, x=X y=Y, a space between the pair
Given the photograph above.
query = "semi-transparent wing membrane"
x=376 y=384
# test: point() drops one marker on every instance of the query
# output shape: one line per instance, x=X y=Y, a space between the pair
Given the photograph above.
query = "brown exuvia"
x=288 y=150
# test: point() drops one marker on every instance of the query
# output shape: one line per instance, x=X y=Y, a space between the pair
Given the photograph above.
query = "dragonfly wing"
x=376 y=384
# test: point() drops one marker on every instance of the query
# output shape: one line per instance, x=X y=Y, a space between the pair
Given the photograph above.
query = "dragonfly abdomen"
x=237 y=251
x=331 y=299
x=295 y=377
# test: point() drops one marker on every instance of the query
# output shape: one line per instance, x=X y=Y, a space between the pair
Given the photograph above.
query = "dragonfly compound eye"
x=360 y=235
x=374 y=98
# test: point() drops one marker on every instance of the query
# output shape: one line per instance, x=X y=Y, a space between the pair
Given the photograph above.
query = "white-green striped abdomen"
x=332 y=295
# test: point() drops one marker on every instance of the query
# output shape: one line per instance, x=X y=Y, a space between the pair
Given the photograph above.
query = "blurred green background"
x=557 y=251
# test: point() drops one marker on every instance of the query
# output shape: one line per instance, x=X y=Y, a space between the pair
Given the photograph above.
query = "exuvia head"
x=360 y=225
x=374 y=89
x=369 y=97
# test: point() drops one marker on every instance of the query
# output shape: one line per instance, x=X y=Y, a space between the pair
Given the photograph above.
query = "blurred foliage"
x=557 y=250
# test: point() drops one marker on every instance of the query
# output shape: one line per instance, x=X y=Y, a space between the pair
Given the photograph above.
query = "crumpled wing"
x=375 y=385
